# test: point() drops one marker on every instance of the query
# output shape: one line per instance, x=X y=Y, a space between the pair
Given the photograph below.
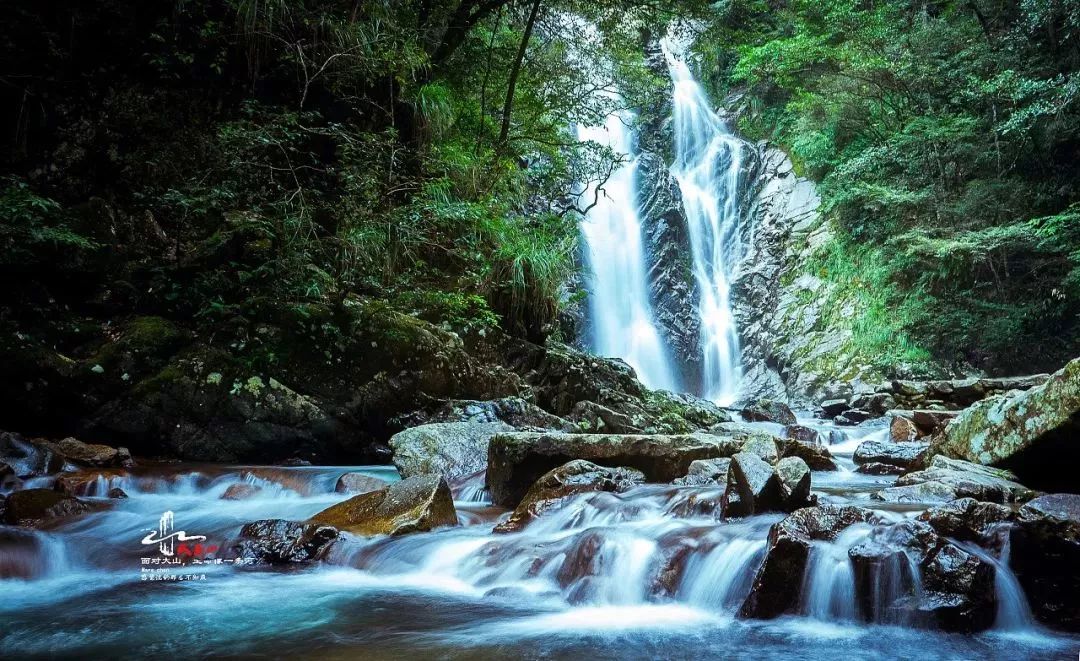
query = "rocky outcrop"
x=517 y=412
x=1033 y=433
x=29 y=458
x=768 y=410
x=775 y=301
x=967 y=519
x=902 y=455
x=555 y=487
x=776 y=585
x=416 y=504
x=706 y=472
x=241 y=491
x=517 y=460
x=1045 y=554
x=450 y=449
x=280 y=542
x=948 y=479
x=957 y=586
x=40 y=507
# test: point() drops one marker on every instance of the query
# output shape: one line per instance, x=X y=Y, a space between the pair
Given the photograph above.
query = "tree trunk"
x=516 y=71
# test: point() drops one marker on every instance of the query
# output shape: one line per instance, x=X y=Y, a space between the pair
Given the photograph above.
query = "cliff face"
x=672 y=288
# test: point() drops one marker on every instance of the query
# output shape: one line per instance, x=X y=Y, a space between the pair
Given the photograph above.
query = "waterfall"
x=623 y=325
x=708 y=163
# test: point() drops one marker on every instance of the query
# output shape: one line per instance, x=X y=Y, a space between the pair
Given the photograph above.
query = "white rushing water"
x=708 y=165
x=623 y=325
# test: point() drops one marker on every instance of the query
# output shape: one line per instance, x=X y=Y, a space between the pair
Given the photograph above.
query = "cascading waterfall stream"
x=623 y=324
x=708 y=165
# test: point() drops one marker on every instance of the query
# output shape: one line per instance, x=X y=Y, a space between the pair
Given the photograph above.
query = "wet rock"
x=852 y=417
x=241 y=491
x=555 y=487
x=29 y=458
x=293 y=462
x=776 y=585
x=957 y=586
x=768 y=410
x=416 y=504
x=875 y=468
x=929 y=423
x=755 y=482
x=802 y=434
x=280 y=542
x=1045 y=554
x=948 y=479
x=794 y=477
x=452 y=449
x=517 y=460
x=1032 y=432
x=8 y=480
x=834 y=407
x=875 y=404
x=902 y=430
x=24 y=555
x=91 y=454
x=816 y=455
x=39 y=507
x=904 y=455
x=357 y=483
x=599 y=418
x=117 y=492
x=764 y=447
x=967 y=519
x=706 y=472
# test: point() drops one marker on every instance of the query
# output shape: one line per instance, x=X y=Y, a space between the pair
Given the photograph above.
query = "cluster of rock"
x=23 y=459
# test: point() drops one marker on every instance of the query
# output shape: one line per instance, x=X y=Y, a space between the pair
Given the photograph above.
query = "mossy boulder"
x=451 y=449
x=417 y=504
x=1035 y=433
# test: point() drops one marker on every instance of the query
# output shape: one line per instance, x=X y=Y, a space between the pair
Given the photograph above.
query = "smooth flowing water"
x=650 y=573
x=708 y=166
x=621 y=314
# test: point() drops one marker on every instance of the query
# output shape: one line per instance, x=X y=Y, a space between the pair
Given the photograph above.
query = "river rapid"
x=589 y=580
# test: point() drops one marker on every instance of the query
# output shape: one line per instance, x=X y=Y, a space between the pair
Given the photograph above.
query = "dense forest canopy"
x=201 y=159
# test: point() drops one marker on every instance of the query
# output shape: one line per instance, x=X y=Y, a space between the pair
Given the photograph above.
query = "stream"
x=459 y=592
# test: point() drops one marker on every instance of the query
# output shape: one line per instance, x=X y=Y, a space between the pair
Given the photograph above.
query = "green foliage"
x=945 y=131
x=30 y=223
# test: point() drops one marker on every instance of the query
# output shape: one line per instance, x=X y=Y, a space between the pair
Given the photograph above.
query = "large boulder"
x=416 y=504
x=517 y=460
x=776 y=585
x=555 y=487
x=279 y=542
x=768 y=410
x=41 y=507
x=452 y=449
x=1045 y=554
x=755 y=483
x=967 y=519
x=814 y=453
x=794 y=477
x=1034 y=433
x=904 y=455
x=706 y=472
x=957 y=586
x=356 y=483
x=948 y=479
x=514 y=411
x=96 y=455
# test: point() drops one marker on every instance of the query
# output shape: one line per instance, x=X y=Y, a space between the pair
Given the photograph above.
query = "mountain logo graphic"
x=165 y=537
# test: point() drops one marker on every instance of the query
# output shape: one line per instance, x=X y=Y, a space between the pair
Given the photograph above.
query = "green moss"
x=152 y=335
